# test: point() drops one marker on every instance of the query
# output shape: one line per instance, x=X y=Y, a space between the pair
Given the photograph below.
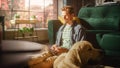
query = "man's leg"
x=47 y=63
x=39 y=58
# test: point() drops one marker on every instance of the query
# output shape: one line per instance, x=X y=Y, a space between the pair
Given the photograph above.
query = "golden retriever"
x=78 y=56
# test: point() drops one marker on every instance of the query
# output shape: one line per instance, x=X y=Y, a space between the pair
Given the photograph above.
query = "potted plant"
x=16 y=16
x=26 y=30
x=30 y=30
x=33 y=17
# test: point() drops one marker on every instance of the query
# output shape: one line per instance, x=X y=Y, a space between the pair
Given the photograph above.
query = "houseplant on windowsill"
x=26 y=30
x=16 y=16
x=33 y=17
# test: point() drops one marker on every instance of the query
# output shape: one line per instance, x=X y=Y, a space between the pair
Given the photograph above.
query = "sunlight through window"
x=42 y=10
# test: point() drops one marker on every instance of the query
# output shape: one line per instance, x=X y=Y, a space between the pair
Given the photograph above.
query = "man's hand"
x=61 y=50
x=53 y=47
x=58 y=50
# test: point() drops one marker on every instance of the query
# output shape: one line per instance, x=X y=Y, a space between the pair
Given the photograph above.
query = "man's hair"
x=68 y=9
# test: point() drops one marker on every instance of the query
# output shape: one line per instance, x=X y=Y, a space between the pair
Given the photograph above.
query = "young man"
x=69 y=33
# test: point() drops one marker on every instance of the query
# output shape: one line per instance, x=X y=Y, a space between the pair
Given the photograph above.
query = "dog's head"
x=88 y=52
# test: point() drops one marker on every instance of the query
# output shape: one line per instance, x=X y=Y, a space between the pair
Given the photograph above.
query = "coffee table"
x=16 y=53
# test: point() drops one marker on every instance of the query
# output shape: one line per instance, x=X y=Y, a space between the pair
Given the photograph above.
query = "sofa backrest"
x=53 y=26
x=101 y=17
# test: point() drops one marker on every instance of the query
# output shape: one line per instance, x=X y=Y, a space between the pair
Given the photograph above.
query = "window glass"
x=42 y=10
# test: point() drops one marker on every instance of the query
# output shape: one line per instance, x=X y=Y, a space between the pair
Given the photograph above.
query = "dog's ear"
x=86 y=45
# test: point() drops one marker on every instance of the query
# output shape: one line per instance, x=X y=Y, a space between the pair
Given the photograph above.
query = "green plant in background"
x=16 y=16
x=33 y=17
x=25 y=30
x=30 y=30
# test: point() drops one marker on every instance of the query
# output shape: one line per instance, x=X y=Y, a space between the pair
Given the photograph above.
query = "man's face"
x=66 y=16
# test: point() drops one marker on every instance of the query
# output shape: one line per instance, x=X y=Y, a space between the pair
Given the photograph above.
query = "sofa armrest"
x=110 y=43
x=53 y=26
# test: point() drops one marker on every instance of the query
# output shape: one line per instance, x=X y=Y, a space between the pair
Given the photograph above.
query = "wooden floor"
x=112 y=61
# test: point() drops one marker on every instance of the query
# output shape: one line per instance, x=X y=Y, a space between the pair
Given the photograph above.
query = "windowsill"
x=35 y=29
x=42 y=34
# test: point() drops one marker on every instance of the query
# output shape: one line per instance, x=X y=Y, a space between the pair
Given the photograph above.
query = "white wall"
x=100 y=2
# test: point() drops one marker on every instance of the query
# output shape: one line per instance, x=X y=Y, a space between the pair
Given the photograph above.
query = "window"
x=43 y=10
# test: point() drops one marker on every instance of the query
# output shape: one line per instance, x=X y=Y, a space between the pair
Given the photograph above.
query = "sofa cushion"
x=110 y=43
x=102 y=17
x=104 y=24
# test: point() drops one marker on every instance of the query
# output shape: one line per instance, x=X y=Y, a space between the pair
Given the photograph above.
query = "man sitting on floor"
x=69 y=33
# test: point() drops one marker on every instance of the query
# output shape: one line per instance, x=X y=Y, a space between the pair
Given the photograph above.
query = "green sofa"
x=103 y=22
x=100 y=22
